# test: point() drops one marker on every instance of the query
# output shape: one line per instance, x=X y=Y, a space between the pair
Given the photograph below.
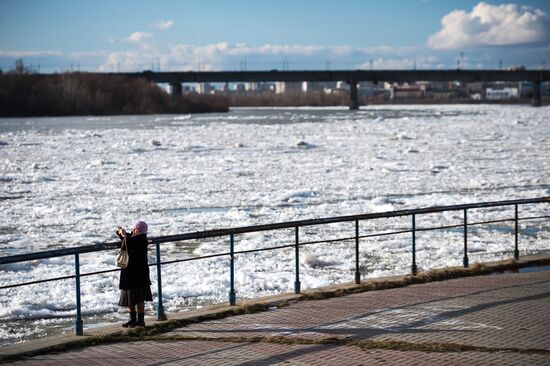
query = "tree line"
x=24 y=93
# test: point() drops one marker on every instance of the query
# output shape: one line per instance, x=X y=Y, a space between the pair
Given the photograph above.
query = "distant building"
x=475 y=88
x=342 y=85
x=204 y=88
x=286 y=87
x=501 y=93
x=318 y=86
x=251 y=86
x=407 y=91
x=441 y=94
x=266 y=87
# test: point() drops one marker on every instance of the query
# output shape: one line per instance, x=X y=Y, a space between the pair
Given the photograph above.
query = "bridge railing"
x=230 y=233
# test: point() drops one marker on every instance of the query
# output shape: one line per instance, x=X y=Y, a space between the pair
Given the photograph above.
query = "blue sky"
x=134 y=35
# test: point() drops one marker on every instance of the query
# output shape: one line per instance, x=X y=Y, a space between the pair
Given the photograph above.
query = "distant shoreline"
x=319 y=99
x=545 y=102
x=81 y=94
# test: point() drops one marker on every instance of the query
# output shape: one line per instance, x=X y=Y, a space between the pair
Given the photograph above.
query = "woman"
x=135 y=284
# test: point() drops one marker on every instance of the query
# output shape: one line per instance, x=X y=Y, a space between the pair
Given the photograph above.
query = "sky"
x=166 y=35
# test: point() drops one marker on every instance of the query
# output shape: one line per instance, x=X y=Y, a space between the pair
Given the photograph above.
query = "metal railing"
x=296 y=225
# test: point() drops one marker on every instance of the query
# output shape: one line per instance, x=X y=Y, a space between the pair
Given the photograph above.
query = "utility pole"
x=285 y=65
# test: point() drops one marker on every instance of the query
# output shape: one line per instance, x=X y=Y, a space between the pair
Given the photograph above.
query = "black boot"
x=132 y=322
x=141 y=320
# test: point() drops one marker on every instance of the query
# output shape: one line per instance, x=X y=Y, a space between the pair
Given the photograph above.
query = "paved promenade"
x=500 y=319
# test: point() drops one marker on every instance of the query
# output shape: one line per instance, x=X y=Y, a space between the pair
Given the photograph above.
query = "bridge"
x=352 y=77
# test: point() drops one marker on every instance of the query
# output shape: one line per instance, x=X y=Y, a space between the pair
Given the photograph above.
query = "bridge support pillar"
x=537 y=100
x=353 y=95
x=175 y=89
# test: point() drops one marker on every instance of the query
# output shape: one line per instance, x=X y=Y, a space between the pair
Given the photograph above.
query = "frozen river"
x=70 y=181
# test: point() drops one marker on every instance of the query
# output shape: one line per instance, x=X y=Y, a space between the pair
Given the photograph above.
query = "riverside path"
x=497 y=319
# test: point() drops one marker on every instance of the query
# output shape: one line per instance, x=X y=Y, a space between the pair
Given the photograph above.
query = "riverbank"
x=418 y=302
x=321 y=99
x=82 y=94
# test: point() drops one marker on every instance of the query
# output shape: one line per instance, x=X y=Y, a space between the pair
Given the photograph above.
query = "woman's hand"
x=122 y=232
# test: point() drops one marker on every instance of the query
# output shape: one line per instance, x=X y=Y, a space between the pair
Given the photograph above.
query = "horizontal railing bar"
x=462 y=225
x=331 y=220
x=268 y=227
x=59 y=252
x=191 y=259
x=279 y=247
x=37 y=281
x=265 y=249
x=385 y=234
x=327 y=241
x=533 y=218
x=439 y=227
x=375 y=235
x=101 y=272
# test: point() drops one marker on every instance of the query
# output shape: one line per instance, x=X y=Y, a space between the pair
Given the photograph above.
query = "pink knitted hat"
x=141 y=226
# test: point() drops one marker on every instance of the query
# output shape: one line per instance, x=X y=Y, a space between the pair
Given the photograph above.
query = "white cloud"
x=422 y=62
x=224 y=55
x=163 y=24
x=492 y=25
x=228 y=56
x=300 y=50
x=22 y=54
x=137 y=37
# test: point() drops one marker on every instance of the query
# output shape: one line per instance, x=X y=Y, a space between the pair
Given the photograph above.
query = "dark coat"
x=136 y=275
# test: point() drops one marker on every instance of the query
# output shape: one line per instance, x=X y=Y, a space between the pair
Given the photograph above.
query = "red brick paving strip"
x=497 y=311
x=227 y=353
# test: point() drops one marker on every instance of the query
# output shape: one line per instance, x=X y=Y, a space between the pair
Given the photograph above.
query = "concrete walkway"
x=500 y=319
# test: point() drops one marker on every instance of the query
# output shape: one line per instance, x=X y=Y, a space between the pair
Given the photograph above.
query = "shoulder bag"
x=122 y=257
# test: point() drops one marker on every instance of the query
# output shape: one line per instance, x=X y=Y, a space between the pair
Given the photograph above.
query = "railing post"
x=79 y=326
x=160 y=309
x=357 y=272
x=516 y=248
x=537 y=93
x=413 y=266
x=232 y=270
x=297 y=258
x=465 y=259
